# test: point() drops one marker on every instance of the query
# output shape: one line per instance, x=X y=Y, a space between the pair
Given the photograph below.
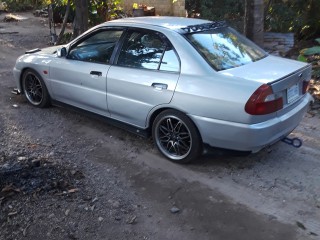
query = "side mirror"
x=62 y=52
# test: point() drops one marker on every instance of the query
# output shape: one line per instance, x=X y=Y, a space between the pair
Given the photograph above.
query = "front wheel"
x=176 y=136
x=35 y=89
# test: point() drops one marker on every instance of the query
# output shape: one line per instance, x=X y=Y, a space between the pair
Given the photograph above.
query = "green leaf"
x=302 y=58
x=318 y=40
x=302 y=51
x=312 y=51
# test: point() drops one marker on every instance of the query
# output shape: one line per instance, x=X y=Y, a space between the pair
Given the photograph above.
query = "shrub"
x=312 y=55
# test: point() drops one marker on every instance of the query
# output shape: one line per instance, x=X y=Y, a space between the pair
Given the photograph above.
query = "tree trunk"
x=64 y=24
x=254 y=20
x=80 y=23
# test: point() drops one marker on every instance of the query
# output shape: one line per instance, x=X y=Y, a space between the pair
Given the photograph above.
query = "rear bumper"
x=250 y=137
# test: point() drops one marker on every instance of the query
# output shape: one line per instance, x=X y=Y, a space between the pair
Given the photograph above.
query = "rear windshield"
x=225 y=48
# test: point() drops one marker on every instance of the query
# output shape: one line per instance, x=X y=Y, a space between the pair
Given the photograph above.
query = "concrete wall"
x=162 y=7
x=278 y=43
x=179 y=8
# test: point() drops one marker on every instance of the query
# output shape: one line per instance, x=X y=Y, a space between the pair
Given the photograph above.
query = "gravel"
x=64 y=175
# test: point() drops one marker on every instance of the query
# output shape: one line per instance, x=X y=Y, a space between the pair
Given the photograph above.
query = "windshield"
x=225 y=48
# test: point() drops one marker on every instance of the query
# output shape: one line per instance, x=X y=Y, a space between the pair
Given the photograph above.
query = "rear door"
x=144 y=76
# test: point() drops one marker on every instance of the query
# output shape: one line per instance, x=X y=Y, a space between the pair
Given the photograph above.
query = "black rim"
x=173 y=137
x=33 y=89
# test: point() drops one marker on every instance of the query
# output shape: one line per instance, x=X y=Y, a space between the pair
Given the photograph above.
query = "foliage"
x=192 y=7
x=24 y=5
x=103 y=10
x=299 y=16
x=222 y=9
x=280 y=17
x=135 y=6
x=312 y=55
x=232 y=10
x=59 y=10
x=67 y=37
x=99 y=10
x=3 y=6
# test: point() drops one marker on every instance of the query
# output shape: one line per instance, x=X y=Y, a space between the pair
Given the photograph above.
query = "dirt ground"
x=64 y=175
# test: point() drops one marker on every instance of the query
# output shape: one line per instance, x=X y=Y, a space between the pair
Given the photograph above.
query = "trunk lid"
x=266 y=70
x=287 y=77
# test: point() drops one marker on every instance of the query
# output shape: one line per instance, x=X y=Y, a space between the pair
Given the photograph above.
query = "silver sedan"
x=189 y=83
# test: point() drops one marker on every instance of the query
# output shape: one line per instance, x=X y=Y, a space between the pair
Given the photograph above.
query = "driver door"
x=80 y=79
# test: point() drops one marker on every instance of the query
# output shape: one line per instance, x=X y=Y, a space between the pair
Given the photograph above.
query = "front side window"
x=97 y=48
x=225 y=48
x=148 y=50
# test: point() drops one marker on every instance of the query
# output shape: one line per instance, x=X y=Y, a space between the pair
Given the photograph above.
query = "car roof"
x=173 y=23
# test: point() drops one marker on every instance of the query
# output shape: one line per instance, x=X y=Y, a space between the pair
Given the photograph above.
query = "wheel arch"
x=23 y=70
x=45 y=100
x=153 y=116
x=155 y=113
x=176 y=135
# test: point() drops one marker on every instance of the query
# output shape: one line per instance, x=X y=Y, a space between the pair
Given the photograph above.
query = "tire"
x=176 y=136
x=35 y=89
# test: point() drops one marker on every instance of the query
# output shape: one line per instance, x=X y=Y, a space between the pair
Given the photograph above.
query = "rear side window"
x=225 y=48
x=148 y=50
x=170 y=61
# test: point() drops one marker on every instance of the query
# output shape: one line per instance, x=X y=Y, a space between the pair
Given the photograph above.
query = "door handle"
x=159 y=86
x=99 y=74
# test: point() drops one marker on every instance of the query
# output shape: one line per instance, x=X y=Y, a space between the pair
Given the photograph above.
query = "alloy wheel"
x=173 y=137
x=33 y=89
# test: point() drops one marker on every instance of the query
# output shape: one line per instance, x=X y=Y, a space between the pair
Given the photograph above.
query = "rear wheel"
x=176 y=136
x=35 y=89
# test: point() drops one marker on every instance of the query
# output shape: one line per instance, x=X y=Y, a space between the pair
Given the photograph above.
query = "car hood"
x=266 y=70
x=50 y=50
x=42 y=51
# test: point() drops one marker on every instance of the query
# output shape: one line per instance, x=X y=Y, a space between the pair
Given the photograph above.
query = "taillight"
x=305 y=86
x=263 y=101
